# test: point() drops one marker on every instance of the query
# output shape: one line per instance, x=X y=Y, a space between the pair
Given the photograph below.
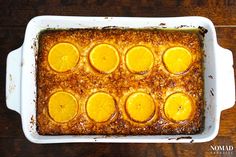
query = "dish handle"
x=225 y=75
x=13 y=80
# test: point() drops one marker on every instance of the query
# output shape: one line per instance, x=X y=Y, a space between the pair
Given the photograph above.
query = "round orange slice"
x=104 y=58
x=177 y=60
x=100 y=107
x=63 y=56
x=139 y=59
x=140 y=107
x=62 y=106
x=178 y=107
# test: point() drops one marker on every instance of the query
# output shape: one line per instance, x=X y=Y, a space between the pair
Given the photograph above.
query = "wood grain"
x=220 y=12
x=15 y=14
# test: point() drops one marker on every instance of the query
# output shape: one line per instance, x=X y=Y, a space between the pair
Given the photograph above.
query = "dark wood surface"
x=15 y=14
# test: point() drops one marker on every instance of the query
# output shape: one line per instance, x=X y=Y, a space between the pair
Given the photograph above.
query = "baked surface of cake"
x=120 y=82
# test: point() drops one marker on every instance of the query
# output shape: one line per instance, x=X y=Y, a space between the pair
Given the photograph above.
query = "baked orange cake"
x=120 y=82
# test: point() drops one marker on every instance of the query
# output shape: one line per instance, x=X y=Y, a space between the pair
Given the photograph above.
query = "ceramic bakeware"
x=219 y=85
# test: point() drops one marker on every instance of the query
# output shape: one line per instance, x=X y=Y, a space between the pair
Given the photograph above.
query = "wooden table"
x=15 y=14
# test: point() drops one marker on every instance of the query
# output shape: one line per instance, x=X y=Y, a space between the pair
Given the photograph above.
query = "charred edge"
x=212 y=91
x=171 y=138
x=37 y=73
x=162 y=24
x=184 y=137
x=210 y=76
x=32 y=121
x=203 y=30
x=111 y=27
x=202 y=123
x=181 y=26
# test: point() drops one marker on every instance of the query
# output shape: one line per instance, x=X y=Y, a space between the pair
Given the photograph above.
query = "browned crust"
x=83 y=81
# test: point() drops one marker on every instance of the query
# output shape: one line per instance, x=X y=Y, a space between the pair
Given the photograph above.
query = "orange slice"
x=104 y=58
x=178 y=107
x=63 y=56
x=177 y=60
x=140 y=107
x=139 y=59
x=100 y=107
x=62 y=106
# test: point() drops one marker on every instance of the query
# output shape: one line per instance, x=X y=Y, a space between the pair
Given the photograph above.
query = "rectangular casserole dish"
x=21 y=76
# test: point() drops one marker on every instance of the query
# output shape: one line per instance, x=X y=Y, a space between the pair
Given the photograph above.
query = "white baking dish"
x=21 y=79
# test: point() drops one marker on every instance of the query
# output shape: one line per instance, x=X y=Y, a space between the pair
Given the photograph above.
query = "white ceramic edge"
x=33 y=137
x=13 y=80
x=225 y=75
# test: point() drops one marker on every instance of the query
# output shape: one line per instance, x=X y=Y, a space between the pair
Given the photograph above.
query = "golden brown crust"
x=82 y=81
